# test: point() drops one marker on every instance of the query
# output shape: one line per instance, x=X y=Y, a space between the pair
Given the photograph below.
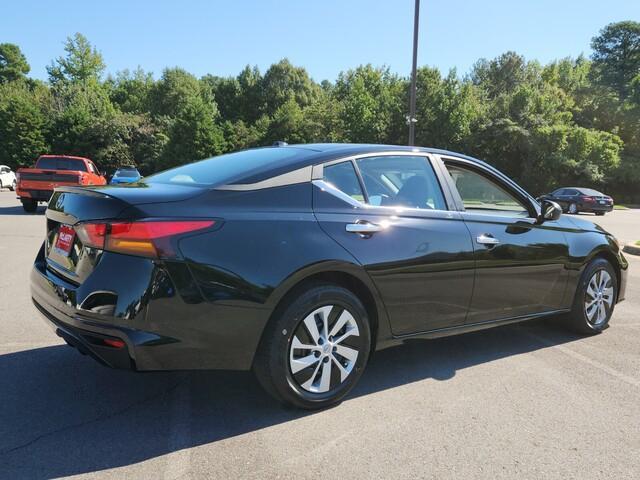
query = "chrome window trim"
x=318 y=176
x=301 y=175
x=312 y=172
x=327 y=187
x=514 y=189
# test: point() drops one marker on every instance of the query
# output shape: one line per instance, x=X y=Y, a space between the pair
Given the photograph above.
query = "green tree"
x=23 y=125
x=82 y=62
x=616 y=56
x=447 y=110
x=130 y=91
x=372 y=102
x=190 y=115
x=283 y=82
x=13 y=64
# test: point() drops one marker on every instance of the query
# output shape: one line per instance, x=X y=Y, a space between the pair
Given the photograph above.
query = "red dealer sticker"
x=66 y=234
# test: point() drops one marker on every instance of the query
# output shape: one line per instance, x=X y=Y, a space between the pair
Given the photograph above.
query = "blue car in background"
x=125 y=175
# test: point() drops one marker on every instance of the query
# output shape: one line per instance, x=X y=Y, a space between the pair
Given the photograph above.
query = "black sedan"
x=579 y=199
x=300 y=261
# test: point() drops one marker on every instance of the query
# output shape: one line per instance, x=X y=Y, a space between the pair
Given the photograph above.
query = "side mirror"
x=550 y=211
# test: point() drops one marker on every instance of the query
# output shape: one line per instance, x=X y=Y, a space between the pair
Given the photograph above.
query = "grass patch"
x=620 y=207
x=638 y=243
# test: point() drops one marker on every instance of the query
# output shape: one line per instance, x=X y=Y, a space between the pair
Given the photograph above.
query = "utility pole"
x=411 y=118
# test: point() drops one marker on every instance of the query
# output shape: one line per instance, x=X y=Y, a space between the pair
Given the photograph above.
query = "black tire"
x=599 y=213
x=13 y=186
x=272 y=364
x=572 y=208
x=29 y=205
x=578 y=319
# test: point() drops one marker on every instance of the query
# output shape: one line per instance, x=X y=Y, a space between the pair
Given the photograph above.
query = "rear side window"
x=228 y=168
x=61 y=163
x=343 y=176
x=480 y=193
x=401 y=181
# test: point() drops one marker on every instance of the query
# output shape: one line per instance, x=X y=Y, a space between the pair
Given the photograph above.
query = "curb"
x=631 y=249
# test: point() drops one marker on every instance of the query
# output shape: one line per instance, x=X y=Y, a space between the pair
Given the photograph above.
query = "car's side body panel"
x=422 y=263
x=209 y=306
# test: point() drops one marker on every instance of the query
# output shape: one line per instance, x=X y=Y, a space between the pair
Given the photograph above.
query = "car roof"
x=590 y=191
x=315 y=153
x=64 y=156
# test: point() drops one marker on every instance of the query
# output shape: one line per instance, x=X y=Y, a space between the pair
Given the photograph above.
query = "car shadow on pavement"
x=18 y=210
x=62 y=414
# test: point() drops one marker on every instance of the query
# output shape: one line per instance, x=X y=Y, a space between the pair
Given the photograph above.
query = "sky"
x=324 y=36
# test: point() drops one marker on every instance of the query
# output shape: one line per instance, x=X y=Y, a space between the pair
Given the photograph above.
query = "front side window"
x=343 y=176
x=401 y=181
x=483 y=195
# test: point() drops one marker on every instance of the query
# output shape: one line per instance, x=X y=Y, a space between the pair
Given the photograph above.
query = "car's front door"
x=390 y=213
x=520 y=263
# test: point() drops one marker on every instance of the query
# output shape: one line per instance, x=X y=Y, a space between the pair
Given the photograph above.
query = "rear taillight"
x=151 y=238
x=587 y=199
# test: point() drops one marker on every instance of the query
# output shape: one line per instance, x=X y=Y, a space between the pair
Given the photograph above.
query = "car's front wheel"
x=316 y=347
x=595 y=298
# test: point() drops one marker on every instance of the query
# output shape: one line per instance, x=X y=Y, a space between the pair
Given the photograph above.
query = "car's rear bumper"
x=590 y=207
x=33 y=194
x=88 y=341
x=163 y=321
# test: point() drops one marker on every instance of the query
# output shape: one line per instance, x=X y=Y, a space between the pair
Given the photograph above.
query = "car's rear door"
x=389 y=211
x=520 y=263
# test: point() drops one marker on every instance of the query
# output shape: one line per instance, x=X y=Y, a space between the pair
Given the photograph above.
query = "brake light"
x=588 y=199
x=113 y=342
x=151 y=238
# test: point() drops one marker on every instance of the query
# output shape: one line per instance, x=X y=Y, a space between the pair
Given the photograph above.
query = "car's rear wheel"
x=13 y=186
x=595 y=298
x=315 y=348
x=599 y=213
x=573 y=208
x=29 y=205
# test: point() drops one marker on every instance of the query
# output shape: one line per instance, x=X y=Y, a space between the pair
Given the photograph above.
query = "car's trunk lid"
x=66 y=255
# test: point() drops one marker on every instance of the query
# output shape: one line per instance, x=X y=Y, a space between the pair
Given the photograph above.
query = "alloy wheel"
x=599 y=297
x=573 y=208
x=324 y=349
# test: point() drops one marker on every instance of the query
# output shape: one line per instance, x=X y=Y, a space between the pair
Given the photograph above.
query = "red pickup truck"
x=51 y=171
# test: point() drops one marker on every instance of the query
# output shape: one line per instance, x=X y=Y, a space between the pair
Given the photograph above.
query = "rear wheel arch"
x=348 y=280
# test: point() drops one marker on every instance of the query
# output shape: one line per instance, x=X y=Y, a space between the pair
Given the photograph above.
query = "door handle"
x=487 y=239
x=364 y=228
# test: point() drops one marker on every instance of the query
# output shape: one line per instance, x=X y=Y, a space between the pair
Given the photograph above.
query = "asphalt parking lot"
x=524 y=401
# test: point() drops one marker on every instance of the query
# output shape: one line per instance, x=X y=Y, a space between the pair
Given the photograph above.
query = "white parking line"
x=594 y=363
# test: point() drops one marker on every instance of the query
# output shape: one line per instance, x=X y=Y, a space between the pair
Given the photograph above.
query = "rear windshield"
x=226 y=168
x=589 y=191
x=61 y=163
x=127 y=173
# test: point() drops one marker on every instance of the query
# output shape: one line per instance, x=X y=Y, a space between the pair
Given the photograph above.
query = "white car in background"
x=7 y=178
